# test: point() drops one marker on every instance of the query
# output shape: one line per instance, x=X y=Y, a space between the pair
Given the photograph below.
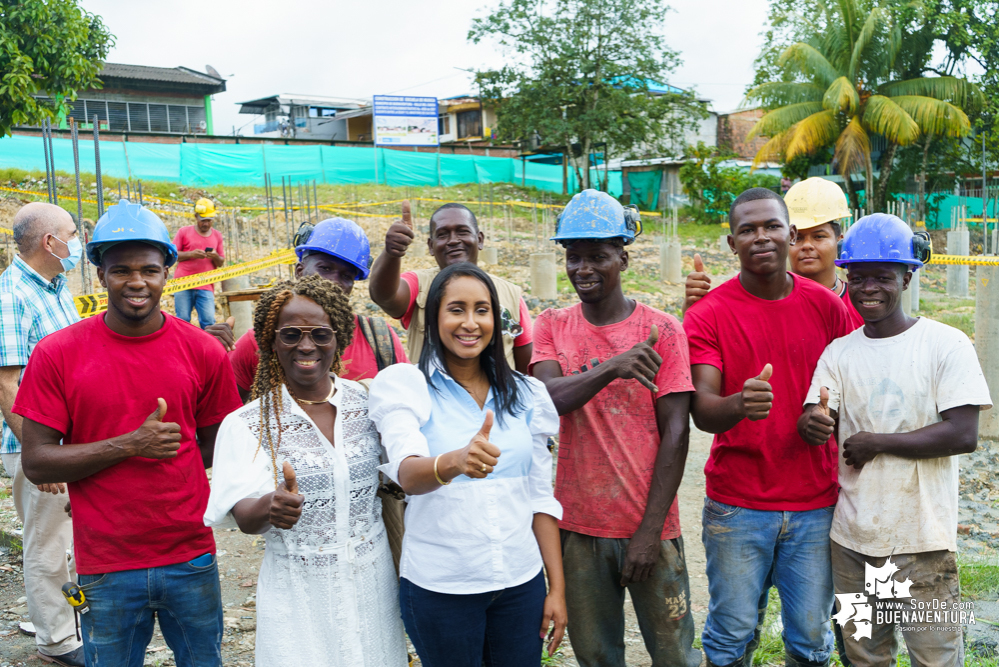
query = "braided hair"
x=270 y=376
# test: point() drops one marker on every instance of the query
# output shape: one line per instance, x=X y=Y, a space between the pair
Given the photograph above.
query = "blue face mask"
x=75 y=253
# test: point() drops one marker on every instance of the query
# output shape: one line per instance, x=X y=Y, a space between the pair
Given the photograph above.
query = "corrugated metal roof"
x=165 y=74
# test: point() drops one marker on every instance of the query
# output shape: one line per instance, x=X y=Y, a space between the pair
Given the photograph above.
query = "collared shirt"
x=473 y=535
x=31 y=308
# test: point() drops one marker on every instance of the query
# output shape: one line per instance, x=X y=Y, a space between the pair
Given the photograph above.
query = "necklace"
x=325 y=400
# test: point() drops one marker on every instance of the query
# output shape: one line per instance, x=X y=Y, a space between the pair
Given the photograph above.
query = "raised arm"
x=45 y=460
x=957 y=433
x=572 y=392
x=423 y=474
x=715 y=413
x=385 y=286
x=673 y=420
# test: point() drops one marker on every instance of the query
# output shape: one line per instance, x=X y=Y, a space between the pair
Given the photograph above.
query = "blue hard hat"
x=881 y=237
x=592 y=214
x=126 y=221
x=342 y=239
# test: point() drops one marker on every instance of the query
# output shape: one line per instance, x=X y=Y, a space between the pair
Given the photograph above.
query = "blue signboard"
x=401 y=120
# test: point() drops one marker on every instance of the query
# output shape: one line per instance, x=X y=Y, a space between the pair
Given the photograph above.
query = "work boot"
x=72 y=659
x=791 y=660
x=754 y=643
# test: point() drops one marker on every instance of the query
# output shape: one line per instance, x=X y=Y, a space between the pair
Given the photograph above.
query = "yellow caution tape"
x=91 y=304
x=962 y=260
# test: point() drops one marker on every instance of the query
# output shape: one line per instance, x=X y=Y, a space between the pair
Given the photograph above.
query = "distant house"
x=290 y=116
x=143 y=100
x=734 y=127
x=463 y=120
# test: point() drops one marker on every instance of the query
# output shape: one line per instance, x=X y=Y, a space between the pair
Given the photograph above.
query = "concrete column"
x=987 y=343
x=418 y=248
x=670 y=264
x=241 y=310
x=958 y=243
x=723 y=244
x=914 y=291
x=543 y=283
x=489 y=256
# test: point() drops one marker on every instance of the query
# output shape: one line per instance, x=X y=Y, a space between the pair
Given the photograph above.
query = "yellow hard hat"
x=205 y=208
x=815 y=201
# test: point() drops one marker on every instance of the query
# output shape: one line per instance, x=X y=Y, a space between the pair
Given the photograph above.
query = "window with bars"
x=140 y=116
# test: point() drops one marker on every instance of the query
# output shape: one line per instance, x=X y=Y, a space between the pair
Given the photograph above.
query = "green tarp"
x=644 y=187
x=202 y=164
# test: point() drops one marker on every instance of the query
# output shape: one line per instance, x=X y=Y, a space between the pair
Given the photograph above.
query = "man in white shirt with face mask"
x=34 y=302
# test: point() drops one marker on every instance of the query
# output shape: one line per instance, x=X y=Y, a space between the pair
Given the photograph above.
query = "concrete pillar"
x=543 y=282
x=958 y=243
x=670 y=264
x=489 y=256
x=723 y=244
x=241 y=310
x=418 y=248
x=914 y=291
x=987 y=343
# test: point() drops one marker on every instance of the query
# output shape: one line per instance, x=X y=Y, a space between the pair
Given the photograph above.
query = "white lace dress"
x=327 y=594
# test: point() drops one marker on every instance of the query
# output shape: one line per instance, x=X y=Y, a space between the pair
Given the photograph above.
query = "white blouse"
x=473 y=535
x=327 y=593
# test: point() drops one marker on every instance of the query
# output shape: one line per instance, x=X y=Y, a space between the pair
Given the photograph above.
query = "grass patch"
x=979 y=578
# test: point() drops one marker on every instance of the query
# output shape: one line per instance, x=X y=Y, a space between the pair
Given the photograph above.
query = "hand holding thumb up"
x=286 y=502
x=765 y=374
x=407 y=215
x=480 y=456
x=698 y=263
x=159 y=413
x=757 y=395
x=290 y=482
x=823 y=401
x=487 y=425
x=653 y=336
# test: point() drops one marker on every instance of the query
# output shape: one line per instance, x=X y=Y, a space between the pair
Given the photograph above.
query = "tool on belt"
x=78 y=601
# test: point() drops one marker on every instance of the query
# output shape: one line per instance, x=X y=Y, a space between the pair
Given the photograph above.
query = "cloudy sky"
x=360 y=49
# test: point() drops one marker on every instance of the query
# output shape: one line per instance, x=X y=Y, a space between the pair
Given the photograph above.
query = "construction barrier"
x=91 y=304
x=245 y=164
x=977 y=260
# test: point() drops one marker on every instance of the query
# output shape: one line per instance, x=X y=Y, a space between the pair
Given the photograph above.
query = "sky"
x=382 y=47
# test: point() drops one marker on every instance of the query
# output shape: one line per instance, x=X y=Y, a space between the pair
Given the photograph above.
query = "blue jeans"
x=186 y=598
x=500 y=628
x=743 y=547
x=201 y=299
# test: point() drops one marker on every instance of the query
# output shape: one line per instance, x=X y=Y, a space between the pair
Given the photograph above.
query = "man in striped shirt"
x=34 y=302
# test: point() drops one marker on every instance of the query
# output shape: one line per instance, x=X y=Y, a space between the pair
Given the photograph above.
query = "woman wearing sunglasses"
x=467 y=440
x=299 y=465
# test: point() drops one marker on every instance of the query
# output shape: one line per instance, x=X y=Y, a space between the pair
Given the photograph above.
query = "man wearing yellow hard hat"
x=816 y=207
x=199 y=249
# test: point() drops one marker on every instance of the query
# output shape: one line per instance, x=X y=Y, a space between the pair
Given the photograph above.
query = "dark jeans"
x=186 y=598
x=499 y=628
x=201 y=299
x=595 y=600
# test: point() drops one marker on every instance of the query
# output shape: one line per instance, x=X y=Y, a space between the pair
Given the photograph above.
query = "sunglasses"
x=321 y=336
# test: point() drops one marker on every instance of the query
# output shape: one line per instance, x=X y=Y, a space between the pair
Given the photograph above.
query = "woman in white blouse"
x=466 y=438
x=299 y=464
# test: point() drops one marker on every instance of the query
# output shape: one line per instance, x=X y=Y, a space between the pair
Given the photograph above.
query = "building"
x=150 y=100
x=463 y=120
x=734 y=127
x=289 y=116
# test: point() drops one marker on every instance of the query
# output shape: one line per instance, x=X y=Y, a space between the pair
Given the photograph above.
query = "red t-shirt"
x=524 y=338
x=765 y=465
x=607 y=448
x=188 y=239
x=855 y=317
x=92 y=384
x=358 y=358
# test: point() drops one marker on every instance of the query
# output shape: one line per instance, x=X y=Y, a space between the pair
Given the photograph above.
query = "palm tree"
x=845 y=86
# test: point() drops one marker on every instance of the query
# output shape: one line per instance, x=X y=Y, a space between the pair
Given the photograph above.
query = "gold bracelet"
x=437 y=474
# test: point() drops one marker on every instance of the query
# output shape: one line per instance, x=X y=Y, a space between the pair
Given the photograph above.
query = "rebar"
x=315 y=198
x=75 y=138
x=48 y=171
x=97 y=166
x=140 y=194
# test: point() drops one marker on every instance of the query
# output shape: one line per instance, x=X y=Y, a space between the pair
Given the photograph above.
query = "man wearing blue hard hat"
x=124 y=407
x=338 y=250
x=618 y=373
x=904 y=393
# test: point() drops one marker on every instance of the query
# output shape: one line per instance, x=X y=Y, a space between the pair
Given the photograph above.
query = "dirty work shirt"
x=765 y=465
x=897 y=385
x=92 y=384
x=188 y=239
x=607 y=448
x=358 y=358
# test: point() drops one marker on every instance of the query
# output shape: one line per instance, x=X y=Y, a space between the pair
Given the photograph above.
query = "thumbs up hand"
x=816 y=424
x=156 y=439
x=480 y=456
x=400 y=234
x=641 y=362
x=757 y=395
x=286 y=502
x=698 y=284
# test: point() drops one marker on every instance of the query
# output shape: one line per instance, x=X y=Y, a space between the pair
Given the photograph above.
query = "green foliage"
x=578 y=77
x=712 y=186
x=47 y=47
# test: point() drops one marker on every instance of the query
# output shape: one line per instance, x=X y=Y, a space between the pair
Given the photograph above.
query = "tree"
x=713 y=186
x=579 y=75
x=49 y=48
x=856 y=72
